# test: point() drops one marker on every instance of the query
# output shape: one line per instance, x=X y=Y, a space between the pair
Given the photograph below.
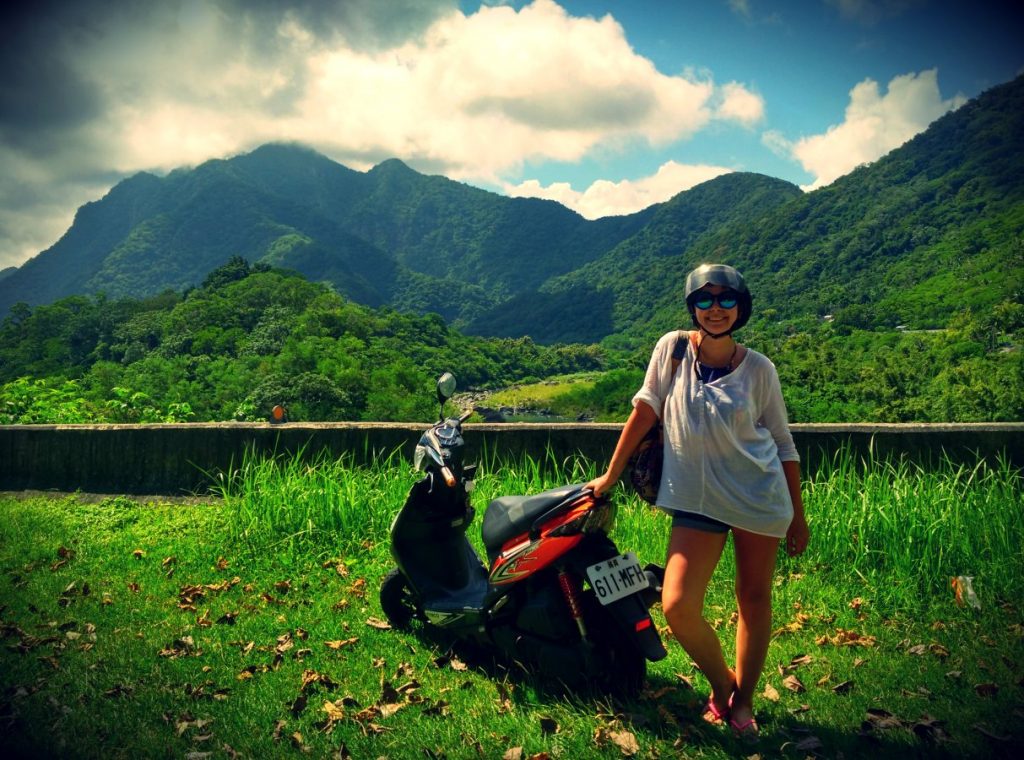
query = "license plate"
x=617 y=577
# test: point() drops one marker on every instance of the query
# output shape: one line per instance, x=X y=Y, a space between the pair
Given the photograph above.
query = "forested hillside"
x=387 y=236
x=247 y=339
x=250 y=338
x=932 y=227
x=894 y=294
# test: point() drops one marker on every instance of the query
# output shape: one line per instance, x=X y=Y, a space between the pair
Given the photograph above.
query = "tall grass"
x=892 y=519
x=295 y=504
x=872 y=520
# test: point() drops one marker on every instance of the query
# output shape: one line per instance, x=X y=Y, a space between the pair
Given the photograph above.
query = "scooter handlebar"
x=449 y=476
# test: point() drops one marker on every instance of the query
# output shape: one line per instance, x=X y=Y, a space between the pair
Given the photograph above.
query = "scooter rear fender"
x=629 y=613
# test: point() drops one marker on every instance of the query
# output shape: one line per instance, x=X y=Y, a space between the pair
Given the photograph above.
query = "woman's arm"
x=798 y=535
x=641 y=419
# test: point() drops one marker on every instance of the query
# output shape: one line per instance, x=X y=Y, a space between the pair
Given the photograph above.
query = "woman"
x=730 y=465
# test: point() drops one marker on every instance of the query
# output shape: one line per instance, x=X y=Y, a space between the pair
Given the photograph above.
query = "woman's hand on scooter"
x=601 y=484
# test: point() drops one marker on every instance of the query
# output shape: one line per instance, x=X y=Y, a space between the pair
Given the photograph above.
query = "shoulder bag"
x=646 y=460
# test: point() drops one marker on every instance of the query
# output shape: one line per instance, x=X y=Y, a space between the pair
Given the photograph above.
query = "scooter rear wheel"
x=397 y=600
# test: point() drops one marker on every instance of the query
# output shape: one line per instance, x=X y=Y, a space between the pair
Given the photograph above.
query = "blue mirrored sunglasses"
x=704 y=300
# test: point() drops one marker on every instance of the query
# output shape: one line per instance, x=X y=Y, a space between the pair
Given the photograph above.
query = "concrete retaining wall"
x=184 y=458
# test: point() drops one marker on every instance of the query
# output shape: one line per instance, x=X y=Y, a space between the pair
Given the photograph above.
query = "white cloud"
x=481 y=94
x=606 y=198
x=740 y=104
x=471 y=96
x=874 y=125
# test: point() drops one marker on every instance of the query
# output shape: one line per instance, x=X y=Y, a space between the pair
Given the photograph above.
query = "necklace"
x=706 y=374
x=728 y=365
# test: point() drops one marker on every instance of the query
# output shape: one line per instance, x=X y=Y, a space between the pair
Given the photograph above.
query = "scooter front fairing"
x=453 y=590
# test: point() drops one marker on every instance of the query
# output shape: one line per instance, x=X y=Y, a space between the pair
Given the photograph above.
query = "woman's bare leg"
x=692 y=558
x=755 y=568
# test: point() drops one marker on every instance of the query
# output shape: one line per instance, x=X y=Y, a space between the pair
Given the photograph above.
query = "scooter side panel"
x=528 y=557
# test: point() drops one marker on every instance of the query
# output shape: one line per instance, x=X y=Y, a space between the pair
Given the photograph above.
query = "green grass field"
x=249 y=626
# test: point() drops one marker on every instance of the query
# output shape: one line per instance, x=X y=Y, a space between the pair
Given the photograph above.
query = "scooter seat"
x=508 y=516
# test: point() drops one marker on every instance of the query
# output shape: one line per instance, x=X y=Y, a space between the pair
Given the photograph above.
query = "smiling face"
x=715 y=319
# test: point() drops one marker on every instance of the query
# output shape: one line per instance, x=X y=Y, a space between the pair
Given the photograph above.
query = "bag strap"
x=678 y=353
x=679 y=350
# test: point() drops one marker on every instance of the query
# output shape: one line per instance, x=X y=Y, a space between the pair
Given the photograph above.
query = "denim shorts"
x=698 y=522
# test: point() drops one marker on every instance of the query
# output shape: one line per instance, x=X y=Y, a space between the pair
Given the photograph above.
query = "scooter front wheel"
x=397 y=600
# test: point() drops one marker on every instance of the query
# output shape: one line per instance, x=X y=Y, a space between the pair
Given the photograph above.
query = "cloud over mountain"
x=874 y=125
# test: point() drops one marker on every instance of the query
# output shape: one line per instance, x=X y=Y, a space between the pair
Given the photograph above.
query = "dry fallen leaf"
x=625 y=741
x=358 y=588
x=931 y=730
x=381 y=625
x=685 y=680
x=771 y=693
x=845 y=638
x=341 y=643
x=389 y=709
x=335 y=714
x=311 y=678
x=278 y=727
x=882 y=719
x=793 y=684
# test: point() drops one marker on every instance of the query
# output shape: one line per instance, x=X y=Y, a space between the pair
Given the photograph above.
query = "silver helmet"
x=725 y=276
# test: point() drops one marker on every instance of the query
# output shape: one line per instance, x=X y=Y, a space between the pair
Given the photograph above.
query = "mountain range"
x=932 y=227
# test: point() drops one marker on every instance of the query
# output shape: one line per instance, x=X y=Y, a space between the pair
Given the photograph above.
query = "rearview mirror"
x=445 y=387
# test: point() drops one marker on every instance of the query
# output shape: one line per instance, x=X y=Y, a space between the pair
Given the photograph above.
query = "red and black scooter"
x=558 y=597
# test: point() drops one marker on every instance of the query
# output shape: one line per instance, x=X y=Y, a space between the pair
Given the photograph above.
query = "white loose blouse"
x=725 y=441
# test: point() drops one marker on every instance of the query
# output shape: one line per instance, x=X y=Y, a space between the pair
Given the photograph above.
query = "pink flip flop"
x=748 y=729
x=717 y=715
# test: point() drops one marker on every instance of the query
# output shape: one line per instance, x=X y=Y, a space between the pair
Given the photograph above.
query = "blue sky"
x=606 y=106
